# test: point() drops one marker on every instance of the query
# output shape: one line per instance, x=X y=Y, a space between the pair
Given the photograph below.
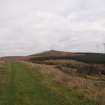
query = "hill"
x=53 y=78
x=95 y=58
x=54 y=53
x=91 y=58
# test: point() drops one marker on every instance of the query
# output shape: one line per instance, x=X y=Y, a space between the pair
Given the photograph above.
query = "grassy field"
x=22 y=84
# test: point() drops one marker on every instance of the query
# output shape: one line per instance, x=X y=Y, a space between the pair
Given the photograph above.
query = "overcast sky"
x=30 y=26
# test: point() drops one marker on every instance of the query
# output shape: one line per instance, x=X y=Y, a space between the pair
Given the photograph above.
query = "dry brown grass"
x=93 y=87
x=82 y=68
x=64 y=62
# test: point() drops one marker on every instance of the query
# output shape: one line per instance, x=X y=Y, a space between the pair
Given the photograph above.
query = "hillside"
x=95 y=58
x=23 y=83
x=91 y=58
x=53 y=78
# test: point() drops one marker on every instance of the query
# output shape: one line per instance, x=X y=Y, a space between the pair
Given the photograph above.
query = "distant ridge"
x=96 y=58
x=79 y=56
x=54 y=53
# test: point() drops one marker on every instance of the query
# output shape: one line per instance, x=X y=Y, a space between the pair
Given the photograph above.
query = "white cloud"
x=29 y=26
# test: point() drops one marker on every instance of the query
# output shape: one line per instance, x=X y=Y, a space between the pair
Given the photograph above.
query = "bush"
x=91 y=70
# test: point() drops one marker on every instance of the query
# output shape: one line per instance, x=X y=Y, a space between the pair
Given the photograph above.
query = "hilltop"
x=54 y=53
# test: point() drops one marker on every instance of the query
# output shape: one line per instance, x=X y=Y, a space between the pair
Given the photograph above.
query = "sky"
x=32 y=26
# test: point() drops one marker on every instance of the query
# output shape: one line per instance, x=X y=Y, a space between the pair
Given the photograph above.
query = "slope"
x=22 y=84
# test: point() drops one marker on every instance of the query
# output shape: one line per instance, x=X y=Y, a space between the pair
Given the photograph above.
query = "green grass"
x=20 y=86
x=4 y=76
